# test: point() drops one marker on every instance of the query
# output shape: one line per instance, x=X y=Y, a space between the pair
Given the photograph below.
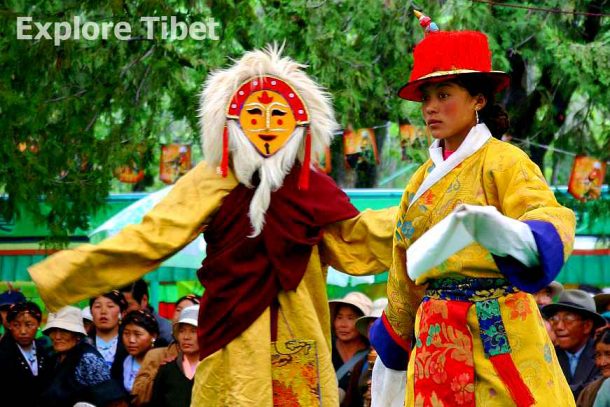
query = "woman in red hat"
x=477 y=230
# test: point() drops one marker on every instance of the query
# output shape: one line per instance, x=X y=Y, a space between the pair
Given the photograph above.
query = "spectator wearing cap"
x=597 y=393
x=107 y=310
x=359 y=389
x=137 y=298
x=7 y=299
x=80 y=373
x=186 y=301
x=348 y=346
x=140 y=332
x=24 y=361
x=174 y=382
x=143 y=385
x=574 y=321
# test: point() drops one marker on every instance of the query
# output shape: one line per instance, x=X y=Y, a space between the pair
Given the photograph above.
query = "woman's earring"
x=476 y=115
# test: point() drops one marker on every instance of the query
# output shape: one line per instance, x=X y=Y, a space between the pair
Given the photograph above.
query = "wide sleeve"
x=391 y=335
x=360 y=245
x=517 y=187
x=73 y=275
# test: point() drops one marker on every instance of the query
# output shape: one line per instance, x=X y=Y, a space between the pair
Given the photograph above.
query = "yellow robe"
x=240 y=373
x=500 y=175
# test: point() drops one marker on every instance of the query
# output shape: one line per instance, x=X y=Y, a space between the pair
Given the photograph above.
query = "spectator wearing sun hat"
x=174 y=381
x=348 y=346
x=574 y=321
x=80 y=373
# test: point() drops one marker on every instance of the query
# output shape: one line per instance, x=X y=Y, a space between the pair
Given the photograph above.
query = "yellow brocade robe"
x=500 y=175
x=240 y=373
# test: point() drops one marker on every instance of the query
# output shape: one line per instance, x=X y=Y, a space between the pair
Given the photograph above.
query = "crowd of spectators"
x=118 y=352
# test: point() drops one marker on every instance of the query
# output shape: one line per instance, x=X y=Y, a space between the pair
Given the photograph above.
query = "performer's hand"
x=501 y=235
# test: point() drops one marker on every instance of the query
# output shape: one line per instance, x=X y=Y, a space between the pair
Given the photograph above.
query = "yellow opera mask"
x=268 y=111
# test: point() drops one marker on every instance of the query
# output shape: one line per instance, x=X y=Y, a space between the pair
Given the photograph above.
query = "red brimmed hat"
x=443 y=55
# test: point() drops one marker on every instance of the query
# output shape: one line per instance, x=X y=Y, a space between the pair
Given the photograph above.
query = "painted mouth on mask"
x=267 y=137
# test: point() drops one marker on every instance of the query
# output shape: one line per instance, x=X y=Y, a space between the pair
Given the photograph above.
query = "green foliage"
x=84 y=108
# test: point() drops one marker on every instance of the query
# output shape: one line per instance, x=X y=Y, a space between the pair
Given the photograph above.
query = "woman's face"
x=137 y=340
x=181 y=305
x=23 y=329
x=449 y=111
x=602 y=358
x=63 y=340
x=345 y=323
x=105 y=314
x=187 y=338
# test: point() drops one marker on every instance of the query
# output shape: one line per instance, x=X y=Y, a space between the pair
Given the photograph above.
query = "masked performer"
x=477 y=230
x=271 y=222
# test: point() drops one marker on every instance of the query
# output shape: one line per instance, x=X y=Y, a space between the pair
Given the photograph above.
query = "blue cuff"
x=391 y=353
x=550 y=254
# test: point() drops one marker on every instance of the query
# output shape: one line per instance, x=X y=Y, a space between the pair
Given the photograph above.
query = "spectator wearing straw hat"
x=574 y=321
x=348 y=346
x=174 y=381
x=80 y=373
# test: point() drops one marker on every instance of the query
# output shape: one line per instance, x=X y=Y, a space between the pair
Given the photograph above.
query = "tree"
x=72 y=113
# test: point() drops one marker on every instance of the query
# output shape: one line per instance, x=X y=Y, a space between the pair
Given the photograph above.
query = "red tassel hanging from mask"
x=304 y=175
x=224 y=163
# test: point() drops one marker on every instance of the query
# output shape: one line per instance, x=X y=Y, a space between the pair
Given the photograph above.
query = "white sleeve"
x=388 y=386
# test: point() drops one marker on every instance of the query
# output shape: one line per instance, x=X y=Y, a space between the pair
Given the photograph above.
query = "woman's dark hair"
x=603 y=336
x=190 y=297
x=493 y=114
x=144 y=319
x=115 y=296
x=138 y=289
x=27 y=307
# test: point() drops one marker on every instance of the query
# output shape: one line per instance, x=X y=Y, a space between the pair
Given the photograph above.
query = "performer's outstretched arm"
x=360 y=245
x=73 y=275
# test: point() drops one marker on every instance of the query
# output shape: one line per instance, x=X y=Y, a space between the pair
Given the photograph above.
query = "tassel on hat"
x=426 y=22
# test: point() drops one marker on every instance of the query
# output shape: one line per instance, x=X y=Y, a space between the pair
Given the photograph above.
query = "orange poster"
x=175 y=162
x=586 y=178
